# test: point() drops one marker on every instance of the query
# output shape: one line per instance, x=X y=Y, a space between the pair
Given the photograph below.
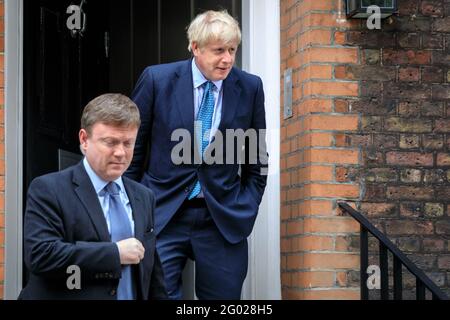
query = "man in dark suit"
x=88 y=231
x=205 y=210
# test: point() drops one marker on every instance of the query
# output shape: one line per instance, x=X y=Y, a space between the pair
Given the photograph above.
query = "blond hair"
x=212 y=26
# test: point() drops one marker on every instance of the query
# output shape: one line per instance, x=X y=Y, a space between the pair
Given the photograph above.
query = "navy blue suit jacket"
x=233 y=192
x=65 y=225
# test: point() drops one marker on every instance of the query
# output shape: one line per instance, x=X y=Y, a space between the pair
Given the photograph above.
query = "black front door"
x=62 y=71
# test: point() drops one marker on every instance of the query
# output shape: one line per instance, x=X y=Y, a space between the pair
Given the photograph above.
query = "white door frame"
x=13 y=147
x=261 y=56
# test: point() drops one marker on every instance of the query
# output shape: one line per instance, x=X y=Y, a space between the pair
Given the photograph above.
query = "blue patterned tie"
x=120 y=229
x=202 y=126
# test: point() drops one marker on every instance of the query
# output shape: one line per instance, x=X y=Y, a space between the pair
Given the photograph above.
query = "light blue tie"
x=202 y=126
x=120 y=229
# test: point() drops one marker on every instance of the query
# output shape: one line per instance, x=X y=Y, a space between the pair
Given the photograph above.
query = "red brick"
x=294 y=160
x=395 y=57
x=295 y=227
x=285 y=53
x=315 y=173
x=330 y=225
x=316 y=139
x=404 y=227
x=341 y=106
x=332 y=294
x=315 y=72
x=323 y=20
x=329 y=191
x=432 y=8
x=315 y=105
x=315 y=207
x=347 y=244
x=294 y=62
x=294 y=128
x=316 y=279
x=295 y=261
x=326 y=122
x=313 y=243
x=335 y=156
x=331 y=55
x=292 y=294
x=322 y=5
x=331 y=260
x=293 y=194
x=443 y=159
x=315 y=37
x=339 y=38
x=341 y=174
x=412 y=193
x=409 y=158
x=409 y=74
x=293 y=30
x=330 y=88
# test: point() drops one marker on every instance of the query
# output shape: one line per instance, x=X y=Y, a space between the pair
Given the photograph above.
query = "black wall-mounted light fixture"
x=358 y=8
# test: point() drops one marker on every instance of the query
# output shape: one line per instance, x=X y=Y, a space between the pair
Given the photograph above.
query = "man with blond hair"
x=205 y=210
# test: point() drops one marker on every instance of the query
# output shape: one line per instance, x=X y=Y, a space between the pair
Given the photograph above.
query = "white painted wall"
x=261 y=56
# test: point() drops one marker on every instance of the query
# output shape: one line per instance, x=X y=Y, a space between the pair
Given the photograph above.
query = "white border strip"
x=261 y=56
x=13 y=147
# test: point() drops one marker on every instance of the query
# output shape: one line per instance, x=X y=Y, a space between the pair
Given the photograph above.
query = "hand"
x=131 y=251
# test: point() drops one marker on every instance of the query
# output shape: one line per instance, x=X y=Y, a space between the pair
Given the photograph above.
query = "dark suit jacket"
x=233 y=192
x=65 y=225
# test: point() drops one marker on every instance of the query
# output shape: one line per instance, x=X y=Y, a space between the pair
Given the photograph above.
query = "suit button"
x=113 y=292
x=151 y=230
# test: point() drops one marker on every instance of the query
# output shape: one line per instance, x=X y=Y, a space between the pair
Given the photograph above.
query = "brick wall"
x=404 y=135
x=316 y=259
x=2 y=149
x=370 y=124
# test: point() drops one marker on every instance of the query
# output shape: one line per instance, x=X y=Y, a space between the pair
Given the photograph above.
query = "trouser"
x=220 y=267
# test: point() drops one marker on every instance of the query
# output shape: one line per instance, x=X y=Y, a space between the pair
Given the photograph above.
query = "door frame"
x=13 y=146
x=260 y=57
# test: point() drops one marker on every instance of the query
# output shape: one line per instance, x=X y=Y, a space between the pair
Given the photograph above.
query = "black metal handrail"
x=423 y=282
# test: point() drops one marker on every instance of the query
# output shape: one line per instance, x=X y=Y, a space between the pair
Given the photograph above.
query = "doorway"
x=260 y=47
x=63 y=70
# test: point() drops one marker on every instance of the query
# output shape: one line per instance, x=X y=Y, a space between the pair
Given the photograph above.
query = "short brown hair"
x=110 y=109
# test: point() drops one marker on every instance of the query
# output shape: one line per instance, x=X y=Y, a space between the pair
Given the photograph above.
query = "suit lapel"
x=183 y=88
x=88 y=197
x=231 y=95
x=137 y=209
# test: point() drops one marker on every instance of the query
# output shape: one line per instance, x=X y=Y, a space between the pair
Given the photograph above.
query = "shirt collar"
x=98 y=182
x=199 y=78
